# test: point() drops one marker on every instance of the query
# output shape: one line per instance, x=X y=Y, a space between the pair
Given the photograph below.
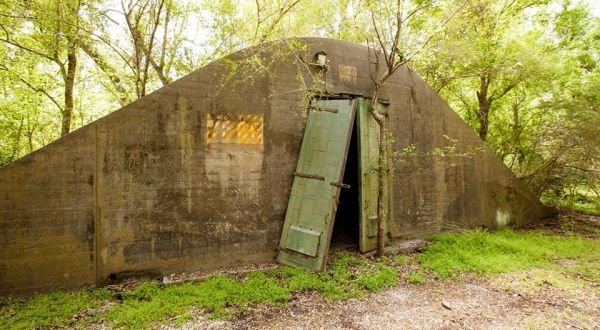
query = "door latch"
x=340 y=185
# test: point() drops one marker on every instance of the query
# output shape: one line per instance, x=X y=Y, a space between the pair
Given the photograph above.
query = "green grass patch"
x=49 y=310
x=220 y=296
x=401 y=260
x=348 y=276
x=378 y=280
x=149 y=303
x=503 y=251
x=533 y=281
x=415 y=277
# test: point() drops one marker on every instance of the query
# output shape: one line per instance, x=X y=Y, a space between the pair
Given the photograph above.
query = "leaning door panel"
x=313 y=201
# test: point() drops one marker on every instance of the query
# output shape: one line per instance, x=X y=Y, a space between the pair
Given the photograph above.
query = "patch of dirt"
x=471 y=304
x=237 y=272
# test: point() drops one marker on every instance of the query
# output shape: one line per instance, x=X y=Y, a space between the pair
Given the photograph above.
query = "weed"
x=49 y=310
x=347 y=277
x=415 y=278
x=401 y=260
x=221 y=297
x=376 y=281
x=504 y=251
x=535 y=280
x=149 y=303
x=182 y=319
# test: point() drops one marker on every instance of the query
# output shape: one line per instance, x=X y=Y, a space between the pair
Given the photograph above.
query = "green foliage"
x=415 y=278
x=348 y=276
x=583 y=201
x=528 y=73
x=401 y=260
x=504 y=251
x=49 y=311
x=378 y=280
x=150 y=303
x=220 y=296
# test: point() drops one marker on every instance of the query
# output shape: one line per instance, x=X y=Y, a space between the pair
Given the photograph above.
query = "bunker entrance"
x=334 y=194
x=346 y=226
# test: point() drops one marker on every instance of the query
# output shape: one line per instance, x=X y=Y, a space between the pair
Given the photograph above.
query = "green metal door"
x=315 y=192
x=368 y=154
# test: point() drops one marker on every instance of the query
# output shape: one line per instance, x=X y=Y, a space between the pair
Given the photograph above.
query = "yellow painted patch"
x=238 y=129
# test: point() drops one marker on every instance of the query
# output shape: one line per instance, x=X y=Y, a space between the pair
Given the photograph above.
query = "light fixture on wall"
x=321 y=59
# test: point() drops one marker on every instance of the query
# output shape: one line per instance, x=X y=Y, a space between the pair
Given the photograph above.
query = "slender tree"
x=392 y=41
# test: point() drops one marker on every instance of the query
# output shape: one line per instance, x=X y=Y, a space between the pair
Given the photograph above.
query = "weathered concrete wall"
x=169 y=200
x=469 y=188
x=47 y=217
x=159 y=187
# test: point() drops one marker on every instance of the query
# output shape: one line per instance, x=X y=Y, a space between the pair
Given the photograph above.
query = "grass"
x=220 y=296
x=415 y=277
x=49 y=310
x=401 y=260
x=149 y=303
x=505 y=251
x=533 y=281
x=348 y=276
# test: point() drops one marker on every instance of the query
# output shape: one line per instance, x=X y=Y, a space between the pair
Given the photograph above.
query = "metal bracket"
x=340 y=185
x=309 y=176
x=318 y=66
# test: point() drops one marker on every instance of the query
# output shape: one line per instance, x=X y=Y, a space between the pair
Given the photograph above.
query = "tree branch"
x=33 y=88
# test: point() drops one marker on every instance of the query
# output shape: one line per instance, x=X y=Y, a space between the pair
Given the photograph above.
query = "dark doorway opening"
x=345 y=229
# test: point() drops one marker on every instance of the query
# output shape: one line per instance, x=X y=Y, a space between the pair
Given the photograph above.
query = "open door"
x=315 y=192
x=368 y=154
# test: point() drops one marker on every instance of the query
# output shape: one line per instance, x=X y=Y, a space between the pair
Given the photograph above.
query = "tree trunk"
x=484 y=106
x=69 y=74
x=381 y=193
x=69 y=90
x=17 y=142
x=484 y=110
x=29 y=131
x=516 y=129
x=382 y=171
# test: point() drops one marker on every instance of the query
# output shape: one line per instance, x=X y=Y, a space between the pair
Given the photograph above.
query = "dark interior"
x=345 y=228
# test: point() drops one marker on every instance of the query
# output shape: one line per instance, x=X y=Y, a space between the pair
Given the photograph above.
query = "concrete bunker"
x=200 y=173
